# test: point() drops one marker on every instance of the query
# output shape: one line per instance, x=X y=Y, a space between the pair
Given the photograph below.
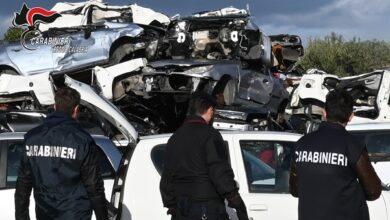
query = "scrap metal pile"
x=148 y=65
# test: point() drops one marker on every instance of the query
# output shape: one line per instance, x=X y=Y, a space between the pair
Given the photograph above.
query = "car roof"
x=12 y=135
x=368 y=126
x=228 y=133
x=104 y=143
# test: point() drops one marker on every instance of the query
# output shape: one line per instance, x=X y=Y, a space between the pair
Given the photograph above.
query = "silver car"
x=88 y=43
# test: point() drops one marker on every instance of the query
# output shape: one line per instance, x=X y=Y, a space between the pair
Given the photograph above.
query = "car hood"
x=104 y=108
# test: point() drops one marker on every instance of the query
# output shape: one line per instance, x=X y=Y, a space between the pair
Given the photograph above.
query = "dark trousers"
x=196 y=210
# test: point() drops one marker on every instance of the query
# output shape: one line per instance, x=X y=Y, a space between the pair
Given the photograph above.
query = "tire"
x=225 y=91
x=121 y=54
x=229 y=92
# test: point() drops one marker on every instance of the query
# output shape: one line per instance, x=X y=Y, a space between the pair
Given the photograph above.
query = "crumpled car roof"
x=74 y=14
x=228 y=11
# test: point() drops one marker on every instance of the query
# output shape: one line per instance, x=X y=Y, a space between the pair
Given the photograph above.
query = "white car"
x=11 y=150
x=118 y=136
x=263 y=187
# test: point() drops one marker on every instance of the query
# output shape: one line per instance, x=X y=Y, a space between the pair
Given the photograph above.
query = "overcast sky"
x=308 y=18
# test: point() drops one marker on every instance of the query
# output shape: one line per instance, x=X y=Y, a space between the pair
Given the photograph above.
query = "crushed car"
x=228 y=33
x=159 y=91
x=244 y=95
x=156 y=94
x=75 y=14
x=223 y=53
x=36 y=93
x=286 y=50
x=220 y=52
x=370 y=92
x=87 y=34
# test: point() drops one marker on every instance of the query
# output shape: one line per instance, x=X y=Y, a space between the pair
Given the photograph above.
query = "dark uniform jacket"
x=332 y=175
x=196 y=165
x=61 y=164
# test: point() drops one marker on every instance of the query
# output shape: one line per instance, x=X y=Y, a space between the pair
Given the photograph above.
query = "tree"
x=337 y=56
x=13 y=34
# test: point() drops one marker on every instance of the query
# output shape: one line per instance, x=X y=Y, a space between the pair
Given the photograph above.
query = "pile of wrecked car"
x=148 y=64
x=370 y=92
x=138 y=73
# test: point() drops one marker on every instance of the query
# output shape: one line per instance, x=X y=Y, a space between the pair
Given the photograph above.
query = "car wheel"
x=225 y=91
x=121 y=54
x=8 y=71
x=229 y=92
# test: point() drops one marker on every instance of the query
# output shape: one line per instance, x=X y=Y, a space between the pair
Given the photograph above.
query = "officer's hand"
x=242 y=215
x=172 y=211
x=235 y=201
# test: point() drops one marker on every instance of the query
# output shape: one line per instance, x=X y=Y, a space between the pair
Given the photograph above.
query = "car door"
x=85 y=48
x=263 y=171
x=31 y=62
x=255 y=86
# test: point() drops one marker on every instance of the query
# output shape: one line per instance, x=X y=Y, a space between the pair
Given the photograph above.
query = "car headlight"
x=198 y=71
x=231 y=114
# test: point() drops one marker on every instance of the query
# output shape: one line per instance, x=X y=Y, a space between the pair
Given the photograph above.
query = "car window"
x=377 y=143
x=105 y=166
x=15 y=153
x=267 y=165
x=157 y=156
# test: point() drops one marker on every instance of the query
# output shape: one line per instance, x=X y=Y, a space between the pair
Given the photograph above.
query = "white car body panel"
x=40 y=84
x=383 y=171
x=142 y=15
x=105 y=76
x=315 y=91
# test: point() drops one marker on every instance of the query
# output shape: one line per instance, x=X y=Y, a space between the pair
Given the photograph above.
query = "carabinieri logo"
x=31 y=18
